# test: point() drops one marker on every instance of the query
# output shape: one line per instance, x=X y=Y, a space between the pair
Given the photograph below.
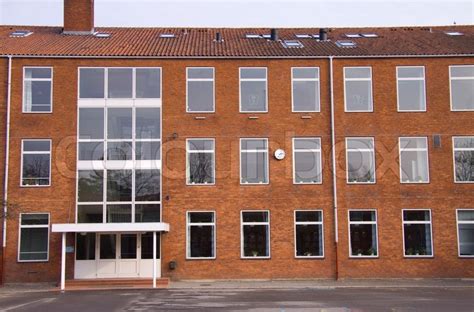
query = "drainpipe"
x=7 y=158
x=334 y=166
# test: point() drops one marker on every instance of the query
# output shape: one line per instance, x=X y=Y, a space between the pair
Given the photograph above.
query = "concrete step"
x=115 y=283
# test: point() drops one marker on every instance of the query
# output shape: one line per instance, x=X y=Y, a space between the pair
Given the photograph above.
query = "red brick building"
x=245 y=153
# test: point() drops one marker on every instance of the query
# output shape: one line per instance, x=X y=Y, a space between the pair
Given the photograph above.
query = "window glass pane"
x=251 y=144
x=466 y=215
x=41 y=92
x=36 y=169
x=466 y=239
x=119 y=213
x=91 y=85
x=128 y=246
x=148 y=83
x=119 y=150
x=89 y=214
x=148 y=123
x=301 y=73
x=411 y=95
x=200 y=73
x=462 y=71
x=147 y=213
x=201 y=217
x=107 y=246
x=305 y=96
x=91 y=123
x=120 y=82
x=256 y=241
x=462 y=94
x=34 y=219
x=361 y=167
x=257 y=216
x=38 y=72
x=253 y=73
x=363 y=239
x=147 y=245
x=416 y=215
x=147 y=150
x=307 y=167
x=466 y=142
x=119 y=185
x=34 y=244
x=201 y=241
x=253 y=96
x=36 y=146
x=147 y=185
x=414 y=166
x=410 y=72
x=200 y=96
x=413 y=142
x=201 y=168
x=357 y=72
x=90 y=186
x=362 y=215
x=199 y=145
x=358 y=95
x=417 y=239
x=254 y=167
x=85 y=246
x=308 y=216
x=308 y=143
x=91 y=151
x=119 y=123
x=309 y=240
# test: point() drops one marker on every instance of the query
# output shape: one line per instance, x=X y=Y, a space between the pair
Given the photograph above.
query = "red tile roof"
x=199 y=42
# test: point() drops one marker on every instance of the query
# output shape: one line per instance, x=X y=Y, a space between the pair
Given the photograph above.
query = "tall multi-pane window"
x=34 y=237
x=309 y=237
x=463 y=148
x=462 y=87
x=465 y=220
x=35 y=162
x=200 y=89
x=358 y=89
x=255 y=231
x=411 y=88
x=417 y=233
x=37 y=90
x=253 y=90
x=305 y=89
x=360 y=156
x=307 y=166
x=363 y=241
x=414 y=160
x=201 y=235
x=253 y=161
x=200 y=156
x=119 y=157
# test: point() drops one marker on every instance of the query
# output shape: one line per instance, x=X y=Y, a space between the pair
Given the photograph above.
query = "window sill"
x=418 y=257
x=255 y=258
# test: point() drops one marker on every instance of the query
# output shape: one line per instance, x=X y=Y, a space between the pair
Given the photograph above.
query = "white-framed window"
x=33 y=240
x=360 y=160
x=307 y=167
x=254 y=161
x=358 y=89
x=35 y=162
x=461 y=85
x=411 y=89
x=201 y=235
x=305 y=89
x=37 y=89
x=200 y=96
x=253 y=89
x=465 y=225
x=309 y=234
x=255 y=234
x=414 y=167
x=119 y=83
x=201 y=162
x=417 y=233
x=363 y=237
x=463 y=154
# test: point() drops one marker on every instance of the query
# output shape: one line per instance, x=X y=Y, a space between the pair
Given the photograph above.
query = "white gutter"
x=7 y=155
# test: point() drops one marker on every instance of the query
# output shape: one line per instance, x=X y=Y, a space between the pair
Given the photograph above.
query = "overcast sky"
x=247 y=13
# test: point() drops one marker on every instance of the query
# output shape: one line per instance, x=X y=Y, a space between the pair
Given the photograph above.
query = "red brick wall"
x=281 y=197
x=78 y=15
x=3 y=127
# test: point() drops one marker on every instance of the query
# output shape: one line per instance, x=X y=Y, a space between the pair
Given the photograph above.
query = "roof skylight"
x=167 y=36
x=102 y=35
x=346 y=44
x=303 y=36
x=453 y=33
x=21 y=33
x=353 y=35
x=369 y=35
x=253 y=36
x=292 y=44
x=267 y=36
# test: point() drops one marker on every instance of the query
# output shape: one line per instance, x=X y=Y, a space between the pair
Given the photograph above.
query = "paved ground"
x=344 y=297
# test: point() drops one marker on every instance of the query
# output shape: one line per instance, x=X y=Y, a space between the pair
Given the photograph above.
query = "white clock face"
x=279 y=154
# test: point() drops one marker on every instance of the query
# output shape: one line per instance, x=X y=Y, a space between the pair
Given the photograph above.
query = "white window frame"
x=189 y=151
x=451 y=78
x=253 y=79
x=430 y=222
x=20 y=227
x=201 y=79
x=457 y=230
x=372 y=151
x=32 y=153
x=254 y=151
x=457 y=149
x=188 y=233
x=371 y=110
x=307 y=150
x=318 y=87
x=242 y=224
x=414 y=149
x=37 y=79
x=411 y=79
x=349 y=222
x=321 y=223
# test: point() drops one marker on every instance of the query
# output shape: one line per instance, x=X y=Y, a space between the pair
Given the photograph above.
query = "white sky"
x=247 y=13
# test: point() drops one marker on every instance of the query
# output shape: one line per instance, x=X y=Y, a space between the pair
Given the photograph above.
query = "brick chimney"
x=78 y=17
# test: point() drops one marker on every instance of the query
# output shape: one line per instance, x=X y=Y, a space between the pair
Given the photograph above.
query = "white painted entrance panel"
x=106 y=268
x=85 y=269
x=146 y=268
